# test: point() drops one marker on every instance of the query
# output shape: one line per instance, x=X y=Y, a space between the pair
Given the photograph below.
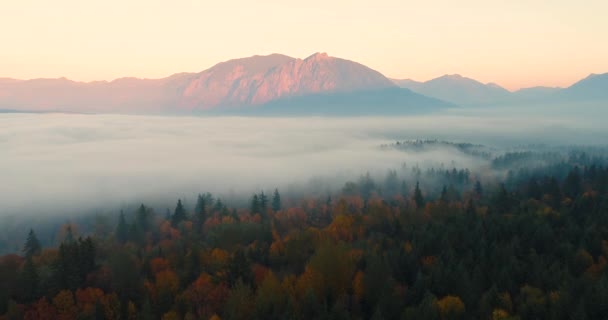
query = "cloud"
x=58 y=163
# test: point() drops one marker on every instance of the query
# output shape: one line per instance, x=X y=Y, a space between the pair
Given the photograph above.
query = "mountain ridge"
x=258 y=80
x=243 y=82
x=465 y=91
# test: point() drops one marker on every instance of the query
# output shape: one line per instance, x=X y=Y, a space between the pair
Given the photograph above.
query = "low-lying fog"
x=66 y=163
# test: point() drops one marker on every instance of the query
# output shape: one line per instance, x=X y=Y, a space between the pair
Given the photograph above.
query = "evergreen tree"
x=122 y=230
x=32 y=245
x=404 y=191
x=143 y=217
x=179 y=214
x=201 y=208
x=502 y=199
x=219 y=206
x=239 y=269
x=444 y=194
x=276 y=200
x=391 y=182
x=263 y=202
x=478 y=188
x=147 y=313
x=69 y=235
x=29 y=281
x=311 y=308
x=418 y=198
x=255 y=204
x=534 y=191
x=200 y=213
x=572 y=184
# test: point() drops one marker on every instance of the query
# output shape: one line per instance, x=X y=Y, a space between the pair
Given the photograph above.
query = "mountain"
x=593 y=87
x=236 y=84
x=458 y=89
x=535 y=94
x=246 y=82
x=468 y=92
x=385 y=101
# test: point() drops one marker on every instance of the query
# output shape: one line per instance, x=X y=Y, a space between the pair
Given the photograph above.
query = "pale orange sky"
x=513 y=43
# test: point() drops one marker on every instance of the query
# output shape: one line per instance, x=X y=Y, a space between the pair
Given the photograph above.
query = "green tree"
x=201 y=212
x=276 y=200
x=143 y=217
x=444 y=194
x=418 y=198
x=32 y=245
x=122 y=230
x=263 y=202
x=255 y=204
x=29 y=281
x=179 y=214
x=478 y=188
x=239 y=305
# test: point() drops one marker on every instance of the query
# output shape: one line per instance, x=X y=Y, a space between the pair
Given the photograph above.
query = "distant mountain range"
x=468 y=92
x=275 y=84
x=281 y=85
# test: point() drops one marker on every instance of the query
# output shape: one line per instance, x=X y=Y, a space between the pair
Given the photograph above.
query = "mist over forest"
x=70 y=162
x=186 y=217
x=72 y=165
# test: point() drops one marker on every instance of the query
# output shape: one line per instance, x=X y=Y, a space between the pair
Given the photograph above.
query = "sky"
x=512 y=43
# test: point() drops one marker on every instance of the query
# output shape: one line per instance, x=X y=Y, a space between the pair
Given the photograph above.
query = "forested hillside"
x=437 y=243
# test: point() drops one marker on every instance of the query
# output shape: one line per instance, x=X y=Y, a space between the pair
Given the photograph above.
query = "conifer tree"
x=32 y=245
x=29 y=280
x=255 y=204
x=122 y=230
x=478 y=188
x=418 y=198
x=263 y=202
x=444 y=194
x=276 y=200
x=142 y=217
x=179 y=214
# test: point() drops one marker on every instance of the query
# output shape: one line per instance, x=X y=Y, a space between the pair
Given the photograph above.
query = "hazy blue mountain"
x=386 y=101
x=459 y=90
x=468 y=92
x=534 y=94
x=593 y=87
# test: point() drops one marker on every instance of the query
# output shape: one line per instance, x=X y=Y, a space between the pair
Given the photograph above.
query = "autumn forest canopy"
x=470 y=231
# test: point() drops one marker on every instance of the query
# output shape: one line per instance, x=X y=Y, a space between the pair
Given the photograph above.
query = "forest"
x=524 y=236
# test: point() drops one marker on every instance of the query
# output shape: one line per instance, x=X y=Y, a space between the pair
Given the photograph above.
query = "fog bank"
x=63 y=163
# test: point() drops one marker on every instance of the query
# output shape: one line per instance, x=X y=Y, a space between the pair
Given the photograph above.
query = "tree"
x=270 y=301
x=311 y=308
x=29 y=281
x=239 y=268
x=391 y=182
x=179 y=214
x=201 y=210
x=263 y=202
x=255 y=204
x=276 y=200
x=572 y=184
x=502 y=199
x=69 y=234
x=444 y=194
x=143 y=218
x=240 y=302
x=418 y=198
x=122 y=230
x=32 y=245
x=478 y=188
x=450 y=307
